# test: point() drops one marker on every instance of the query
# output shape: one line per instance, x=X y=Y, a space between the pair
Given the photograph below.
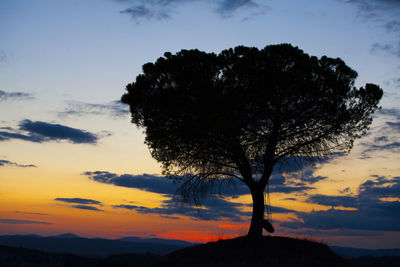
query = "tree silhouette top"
x=237 y=114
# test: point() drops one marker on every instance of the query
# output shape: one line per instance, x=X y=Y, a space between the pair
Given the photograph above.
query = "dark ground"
x=268 y=251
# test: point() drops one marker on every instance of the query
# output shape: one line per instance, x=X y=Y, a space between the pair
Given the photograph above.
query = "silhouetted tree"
x=210 y=118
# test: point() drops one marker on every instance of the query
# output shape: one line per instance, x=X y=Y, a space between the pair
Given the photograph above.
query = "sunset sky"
x=71 y=160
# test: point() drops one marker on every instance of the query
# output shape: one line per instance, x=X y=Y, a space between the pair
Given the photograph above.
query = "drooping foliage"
x=237 y=114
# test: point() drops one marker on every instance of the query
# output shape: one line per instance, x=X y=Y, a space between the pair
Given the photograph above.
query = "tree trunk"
x=256 y=227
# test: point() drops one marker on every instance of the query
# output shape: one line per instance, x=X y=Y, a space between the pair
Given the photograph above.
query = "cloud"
x=344 y=201
x=372 y=212
x=14 y=221
x=146 y=182
x=140 y=10
x=391 y=112
x=386 y=136
x=3 y=56
x=393 y=48
x=10 y=163
x=211 y=209
x=4 y=96
x=84 y=203
x=39 y=132
x=78 y=200
x=227 y=7
x=386 y=14
x=393 y=147
x=162 y=185
x=115 y=109
x=344 y=219
x=86 y=207
x=394 y=125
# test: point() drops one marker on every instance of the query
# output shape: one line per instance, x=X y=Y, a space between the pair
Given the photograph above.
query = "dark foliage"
x=212 y=118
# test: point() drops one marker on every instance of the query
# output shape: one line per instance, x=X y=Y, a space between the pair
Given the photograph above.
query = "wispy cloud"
x=78 y=200
x=140 y=10
x=385 y=137
x=39 y=132
x=83 y=203
x=115 y=109
x=15 y=221
x=4 y=96
x=10 y=163
x=3 y=56
x=386 y=14
x=86 y=207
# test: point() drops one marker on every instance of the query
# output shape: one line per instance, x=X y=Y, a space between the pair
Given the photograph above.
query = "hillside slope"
x=242 y=251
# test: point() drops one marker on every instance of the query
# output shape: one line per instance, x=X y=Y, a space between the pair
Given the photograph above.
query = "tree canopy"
x=236 y=114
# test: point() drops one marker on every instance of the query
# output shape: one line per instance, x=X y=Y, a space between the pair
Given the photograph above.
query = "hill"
x=270 y=251
x=243 y=251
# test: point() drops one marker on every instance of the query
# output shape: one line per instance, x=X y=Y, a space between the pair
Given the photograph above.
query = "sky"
x=71 y=160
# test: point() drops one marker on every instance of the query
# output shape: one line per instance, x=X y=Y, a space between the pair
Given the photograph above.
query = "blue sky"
x=64 y=66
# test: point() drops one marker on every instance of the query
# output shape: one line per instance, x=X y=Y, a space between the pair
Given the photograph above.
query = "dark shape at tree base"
x=268 y=226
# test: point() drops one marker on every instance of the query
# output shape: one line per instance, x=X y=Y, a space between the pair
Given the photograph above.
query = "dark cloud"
x=371 y=211
x=57 y=132
x=143 y=11
x=78 y=200
x=228 y=7
x=146 y=182
x=345 y=190
x=39 y=132
x=345 y=219
x=14 y=221
x=140 y=10
x=393 y=147
x=86 y=207
x=344 y=201
x=10 y=163
x=391 y=112
x=15 y=96
x=115 y=109
x=211 y=209
x=163 y=185
x=388 y=48
x=380 y=187
x=394 y=125
x=287 y=189
x=386 y=136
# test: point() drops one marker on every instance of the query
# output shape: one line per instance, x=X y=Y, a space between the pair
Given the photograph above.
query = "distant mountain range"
x=93 y=247
x=100 y=248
